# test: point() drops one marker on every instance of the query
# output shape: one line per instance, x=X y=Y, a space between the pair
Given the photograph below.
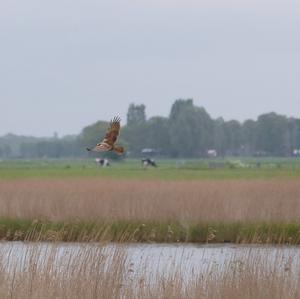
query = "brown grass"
x=91 y=273
x=275 y=200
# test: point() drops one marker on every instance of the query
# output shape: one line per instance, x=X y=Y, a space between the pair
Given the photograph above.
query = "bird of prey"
x=111 y=136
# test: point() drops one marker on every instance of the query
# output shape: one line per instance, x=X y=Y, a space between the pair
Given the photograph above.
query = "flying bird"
x=111 y=136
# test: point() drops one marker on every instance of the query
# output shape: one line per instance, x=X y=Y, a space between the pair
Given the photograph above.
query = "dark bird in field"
x=111 y=136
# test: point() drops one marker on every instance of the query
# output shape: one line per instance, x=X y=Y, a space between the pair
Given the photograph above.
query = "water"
x=201 y=260
x=155 y=261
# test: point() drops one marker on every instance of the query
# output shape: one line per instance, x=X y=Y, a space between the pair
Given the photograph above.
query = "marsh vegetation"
x=101 y=271
x=72 y=201
x=126 y=203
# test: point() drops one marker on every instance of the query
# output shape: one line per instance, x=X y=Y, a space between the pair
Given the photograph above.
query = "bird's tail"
x=119 y=150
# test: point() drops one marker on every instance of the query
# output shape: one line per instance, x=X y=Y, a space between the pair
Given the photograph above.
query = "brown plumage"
x=111 y=136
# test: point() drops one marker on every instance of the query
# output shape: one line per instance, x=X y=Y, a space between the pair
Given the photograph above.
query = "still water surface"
x=158 y=260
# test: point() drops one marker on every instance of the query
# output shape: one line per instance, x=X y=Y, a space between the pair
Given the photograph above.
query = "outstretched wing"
x=113 y=131
x=111 y=136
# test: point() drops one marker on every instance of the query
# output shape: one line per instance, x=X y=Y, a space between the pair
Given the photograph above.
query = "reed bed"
x=274 y=200
x=93 y=209
x=43 y=271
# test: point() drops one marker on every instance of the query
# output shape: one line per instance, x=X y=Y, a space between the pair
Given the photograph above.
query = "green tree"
x=272 y=134
x=191 y=129
x=219 y=138
x=158 y=136
x=249 y=134
x=233 y=134
x=136 y=115
x=294 y=133
x=135 y=132
x=92 y=134
x=5 y=151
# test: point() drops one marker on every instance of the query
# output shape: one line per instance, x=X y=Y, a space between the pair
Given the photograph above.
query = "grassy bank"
x=135 y=231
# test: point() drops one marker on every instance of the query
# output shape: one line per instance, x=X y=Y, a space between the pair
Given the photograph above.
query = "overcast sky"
x=65 y=64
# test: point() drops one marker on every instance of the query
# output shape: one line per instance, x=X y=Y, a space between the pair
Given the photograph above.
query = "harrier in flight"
x=111 y=136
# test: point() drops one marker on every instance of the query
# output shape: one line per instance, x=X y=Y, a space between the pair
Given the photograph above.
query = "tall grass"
x=275 y=200
x=93 y=272
x=92 y=209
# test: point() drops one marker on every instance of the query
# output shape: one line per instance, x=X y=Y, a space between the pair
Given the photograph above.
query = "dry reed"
x=93 y=272
x=273 y=200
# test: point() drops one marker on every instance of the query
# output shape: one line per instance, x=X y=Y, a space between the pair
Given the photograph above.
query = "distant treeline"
x=189 y=131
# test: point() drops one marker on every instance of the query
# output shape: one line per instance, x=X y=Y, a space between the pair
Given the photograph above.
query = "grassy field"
x=189 y=201
x=167 y=169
